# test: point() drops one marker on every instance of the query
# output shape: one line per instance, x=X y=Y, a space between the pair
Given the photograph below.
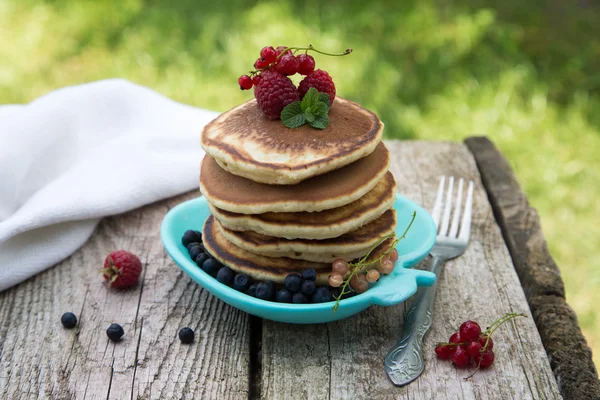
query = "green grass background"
x=525 y=73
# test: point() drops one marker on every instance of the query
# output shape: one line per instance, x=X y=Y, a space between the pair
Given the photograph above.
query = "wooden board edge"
x=568 y=351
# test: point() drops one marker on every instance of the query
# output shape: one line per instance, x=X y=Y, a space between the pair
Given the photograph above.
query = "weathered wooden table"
x=506 y=268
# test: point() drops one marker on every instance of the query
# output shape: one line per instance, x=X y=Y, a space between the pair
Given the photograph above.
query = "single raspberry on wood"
x=121 y=269
x=321 y=81
x=273 y=92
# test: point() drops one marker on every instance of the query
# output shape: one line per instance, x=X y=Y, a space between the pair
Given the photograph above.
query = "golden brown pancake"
x=349 y=246
x=246 y=143
x=336 y=188
x=254 y=265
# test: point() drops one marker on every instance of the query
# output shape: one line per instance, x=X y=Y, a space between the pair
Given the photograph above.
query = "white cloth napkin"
x=81 y=153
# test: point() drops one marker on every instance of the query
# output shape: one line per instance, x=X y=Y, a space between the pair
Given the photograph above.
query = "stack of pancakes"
x=283 y=200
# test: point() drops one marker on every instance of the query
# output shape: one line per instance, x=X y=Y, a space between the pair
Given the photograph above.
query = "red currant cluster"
x=471 y=346
x=340 y=272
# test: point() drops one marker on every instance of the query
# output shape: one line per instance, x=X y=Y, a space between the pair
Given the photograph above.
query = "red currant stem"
x=505 y=318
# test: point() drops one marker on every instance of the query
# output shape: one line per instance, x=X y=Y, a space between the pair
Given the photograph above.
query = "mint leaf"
x=292 y=115
x=320 y=109
x=310 y=98
x=324 y=97
x=320 y=122
x=310 y=117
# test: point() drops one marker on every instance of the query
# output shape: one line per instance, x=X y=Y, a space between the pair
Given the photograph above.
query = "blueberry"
x=335 y=292
x=201 y=258
x=293 y=282
x=252 y=290
x=68 y=320
x=265 y=290
x=308 y=288
x=225 y=276
x=309 y=274
x=349 y=293
x=322 y=295
x=186 y=335
x=196 y=250
x=299 y=298
x=283 y=296
x=211 y=266
x=193 y=244
x=191 y=236
x=115 y=332
x=241 y=282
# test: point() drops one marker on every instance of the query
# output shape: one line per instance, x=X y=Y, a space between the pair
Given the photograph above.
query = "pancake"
x=246 y=143
x=334 y=189
x=315 y=225
x=348 y=246
x=254 y=265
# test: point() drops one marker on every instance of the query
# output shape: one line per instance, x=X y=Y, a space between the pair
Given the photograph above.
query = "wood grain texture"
x=570 y=356
x=40 y=359
x=345 y=359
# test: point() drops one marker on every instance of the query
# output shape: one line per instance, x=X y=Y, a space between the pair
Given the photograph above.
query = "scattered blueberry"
x=68 y=320
x=308 y=288
x=115 y=332
x=225 y=276
x=241 y=282
x=252 y=290
x=299 y=298
x=283 y=296
x=322 y=295
x=309 y=274
x=186 y=335
x=191 y=236
x=265 y=290
x=211 y=266
x=293 y=282
x=201 y=258
x=196 y=250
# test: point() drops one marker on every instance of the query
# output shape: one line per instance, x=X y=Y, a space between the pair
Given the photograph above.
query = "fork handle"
x=404 y=363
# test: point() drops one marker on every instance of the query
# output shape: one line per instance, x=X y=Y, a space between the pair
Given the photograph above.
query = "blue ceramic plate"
x=389 y=290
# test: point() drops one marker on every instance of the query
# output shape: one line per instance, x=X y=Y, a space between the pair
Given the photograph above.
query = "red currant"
x=306 y=64
x=280 y=50
x=473 y=348
x=268 y=54
x=359 y=283
x=490 y=343
x=394 y=255
x=287 y=65
x=245 y=82
x=260 y=63
x=455 y=338
x=469 y=331
x=461 y=358
x=256 y=79
x=444 y=352
x=485 y=360
x=341 y=266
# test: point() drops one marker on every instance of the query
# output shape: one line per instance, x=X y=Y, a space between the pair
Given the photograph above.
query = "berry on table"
x=265 y=290
x=293 y=282
x=469 y=331
x=186 y=335
x=455 y=338
x=483 y=339
x=211 y=266
x=225 y=276
x=474 y=348
x=444 y=352
x=309 y=274
x=68 y=320
x=241 y=282
x=299 y=298
x=245 y=82
x=191 y=236
x=274 y=92
x=283 y=296
x=121 y=269
x=306 y=64
x=461 y=358
x=336 y=279
x=115 y=332
x=288 y=65
x=321 y=81
x=322 y=295
x=485 y=359
x=201 y=258
x=308 y=288
x=269 y=54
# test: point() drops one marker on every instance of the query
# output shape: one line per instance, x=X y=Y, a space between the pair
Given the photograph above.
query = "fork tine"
x=465 y=226
x=437 y=205
x=456 y=216
x=447 y=208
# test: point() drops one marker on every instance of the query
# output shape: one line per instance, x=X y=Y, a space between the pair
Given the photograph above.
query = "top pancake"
x=246 y=143
x=334 y=189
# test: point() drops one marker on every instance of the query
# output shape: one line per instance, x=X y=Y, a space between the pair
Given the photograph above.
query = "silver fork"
x=404 y=363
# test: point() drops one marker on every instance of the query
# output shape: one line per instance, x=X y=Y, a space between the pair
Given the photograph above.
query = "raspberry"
x=321 y=81
x=307 y=64
x=274 y=92
x=122 y=269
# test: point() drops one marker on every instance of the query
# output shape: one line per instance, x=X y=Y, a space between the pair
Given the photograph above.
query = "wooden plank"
x=570 y=356
x=345 y=359
x=40 y=359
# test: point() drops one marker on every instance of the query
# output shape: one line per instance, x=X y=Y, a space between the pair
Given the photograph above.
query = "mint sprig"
x=313 y=109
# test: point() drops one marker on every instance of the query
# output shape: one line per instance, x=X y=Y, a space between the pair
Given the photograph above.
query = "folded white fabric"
x=81 y=153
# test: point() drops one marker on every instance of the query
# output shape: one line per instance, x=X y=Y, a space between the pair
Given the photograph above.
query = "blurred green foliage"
x=525 y=73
